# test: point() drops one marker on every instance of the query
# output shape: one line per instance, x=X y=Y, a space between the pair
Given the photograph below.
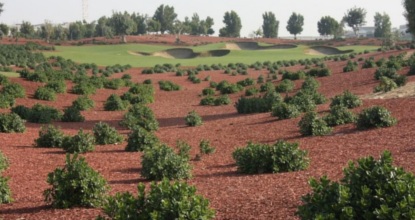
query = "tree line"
x=165 y=20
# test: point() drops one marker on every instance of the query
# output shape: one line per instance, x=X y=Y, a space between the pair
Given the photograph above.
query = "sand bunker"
x=402 y=92
x=325 y=50
x=256 y=46
x=183 y=53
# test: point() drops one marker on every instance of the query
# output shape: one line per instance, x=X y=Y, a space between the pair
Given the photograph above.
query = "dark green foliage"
x=369 y=63
x=347 y=99
x=75 y=185
x=285 y=111
x=251 y=91
x=147 y=81
x=115 y=103
x=385 y=72
x=168 y=86
x=72 y=114
x=370 y=189
x=140 y=139
x=230 y=88
x=4 y=80
x=263 y=158
x=222 y=100
x=375 y=117
x=5 y=192
x=11 y=122
x=22 y=111
x=205 y=147
x=43 y=93
x=267 y=87
x=84 y=88
x=319 y=72
x=193 y=119
x=162 y=162
x=303 y=101
x=310 y=84
x=339 y=115
x=286 y=85
x=42 y=114
x=57 y=86
x=208 y=91
x=311 y=124
x=15 y=90
x=257 y=104
x=385 y=85
x=6 y=101
x=164 y=200
x=114 y=84
x=83 y=103
x=50 y=136
x=246 y=82
x=208 y=100
x=105 y=134
x=293 y=76
x=140 y=115
x=350 y=67
x=143 y=93
x=79 y=143
x=4 y=163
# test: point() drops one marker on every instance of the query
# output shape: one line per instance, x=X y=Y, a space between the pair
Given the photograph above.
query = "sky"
x=250 y=12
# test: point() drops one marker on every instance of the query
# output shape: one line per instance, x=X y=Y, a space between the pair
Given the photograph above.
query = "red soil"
x=232 y=195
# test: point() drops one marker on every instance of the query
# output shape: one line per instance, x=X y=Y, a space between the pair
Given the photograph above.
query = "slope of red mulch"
x=232 y=195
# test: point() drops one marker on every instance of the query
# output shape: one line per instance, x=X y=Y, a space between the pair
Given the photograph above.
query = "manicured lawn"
x=104 y=55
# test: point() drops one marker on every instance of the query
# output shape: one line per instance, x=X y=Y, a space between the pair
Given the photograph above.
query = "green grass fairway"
x=10 y=74
x=105 y=55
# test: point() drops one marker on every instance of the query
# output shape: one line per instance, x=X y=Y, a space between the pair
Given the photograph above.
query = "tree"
x=1 y=7
x=122 y=24
x=47 y=31
x=270 y=25
x=409 y=6
x=233 y=25
x=4 y=30
x=103 y=29
x=166 y=16
x=177 y=29
x=355 y=18
x=327 y=26
x=27 y=29
x=89 y=29
x=141 y=25
x=76 y=31
x=60 y=33
x=295 y=24
x=383 y=25
x=209 y=23
x=197 y=26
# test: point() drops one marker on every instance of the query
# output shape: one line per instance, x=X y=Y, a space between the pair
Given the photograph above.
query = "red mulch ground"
x=232 y=195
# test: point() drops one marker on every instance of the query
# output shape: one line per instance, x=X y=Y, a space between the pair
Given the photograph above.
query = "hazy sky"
x=36 y=11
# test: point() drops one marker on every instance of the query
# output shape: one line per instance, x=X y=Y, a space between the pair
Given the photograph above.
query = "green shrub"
x=43 y=114
x=140 y=115
x=147 y=81
x=4 y=80
x=21 y=111
x=43 y=93
x=222 y=100
x=84 y=88
x=285 y=111
x=164 y=200
x=267 y=87
x=369 y=63
x=347 y=99
x=139 y=93
x=12 y=122
x=75 y=185
x=251 y=91
x=5 y=192
x=310 y=124
x=139 y=139
x=114 y=84
x=246 y=82
x=303 y=101
x=339 y=115
x=4 y=163
x=286 y=85
x=79 y=143
x=257 y=104
x=263 y=158
x=57 y=86
x=375 y=117
x=350 y=67
x=162 y=162
x=370 y=189
x=49 y=136
x=15 y=90
x=208 y=100
x=385 y=85
x=168 y=86
x=208 y=92
x=83 y=103
x=72 y=114
x=115 y=103
x=105 y=134
x=231 y=88
x=193 y=119
x=6 y=100
x=385 y=72
x=205 y=147
x=319 y=72
x=310 y=84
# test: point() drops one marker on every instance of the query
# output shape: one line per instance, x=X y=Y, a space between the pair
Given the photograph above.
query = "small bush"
x=6 y=101
x=114 y=84
x=12 y=122
x=208 y=92
x=310 y=84
x=251 y=91
x=139 y=139
x=49 y=136
x=222 y=100
x=4 y=80
x=80 y=143
x=5 y=192
x=310 y=124
x=165 y=200
x=83 y=103
x=263 y=158
x=286 y=85
x=375 y=117
x=4 y=163
x=105 y=134
x=257 y=104
x=205 y=147
x=347 y=99
x=350 y=67
x=57 y=86
x=75 y=185
x=285 y=111
x=115 y=103
x=162 y=162
x=21 y=111
x=140 y=115
x=193 y=119
x=208 y=100
x=84 y=88
x=369 y=63
x=15 y=90
x=168 y=86
x=386 y=84
x=72 y=114
x=385 y=72
x=267 y=87
x=303 y=101
x=43 y=114
x=43 y=93
x=319 y=72
x=246 y=82
x=339 y=115
x=370 y=189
